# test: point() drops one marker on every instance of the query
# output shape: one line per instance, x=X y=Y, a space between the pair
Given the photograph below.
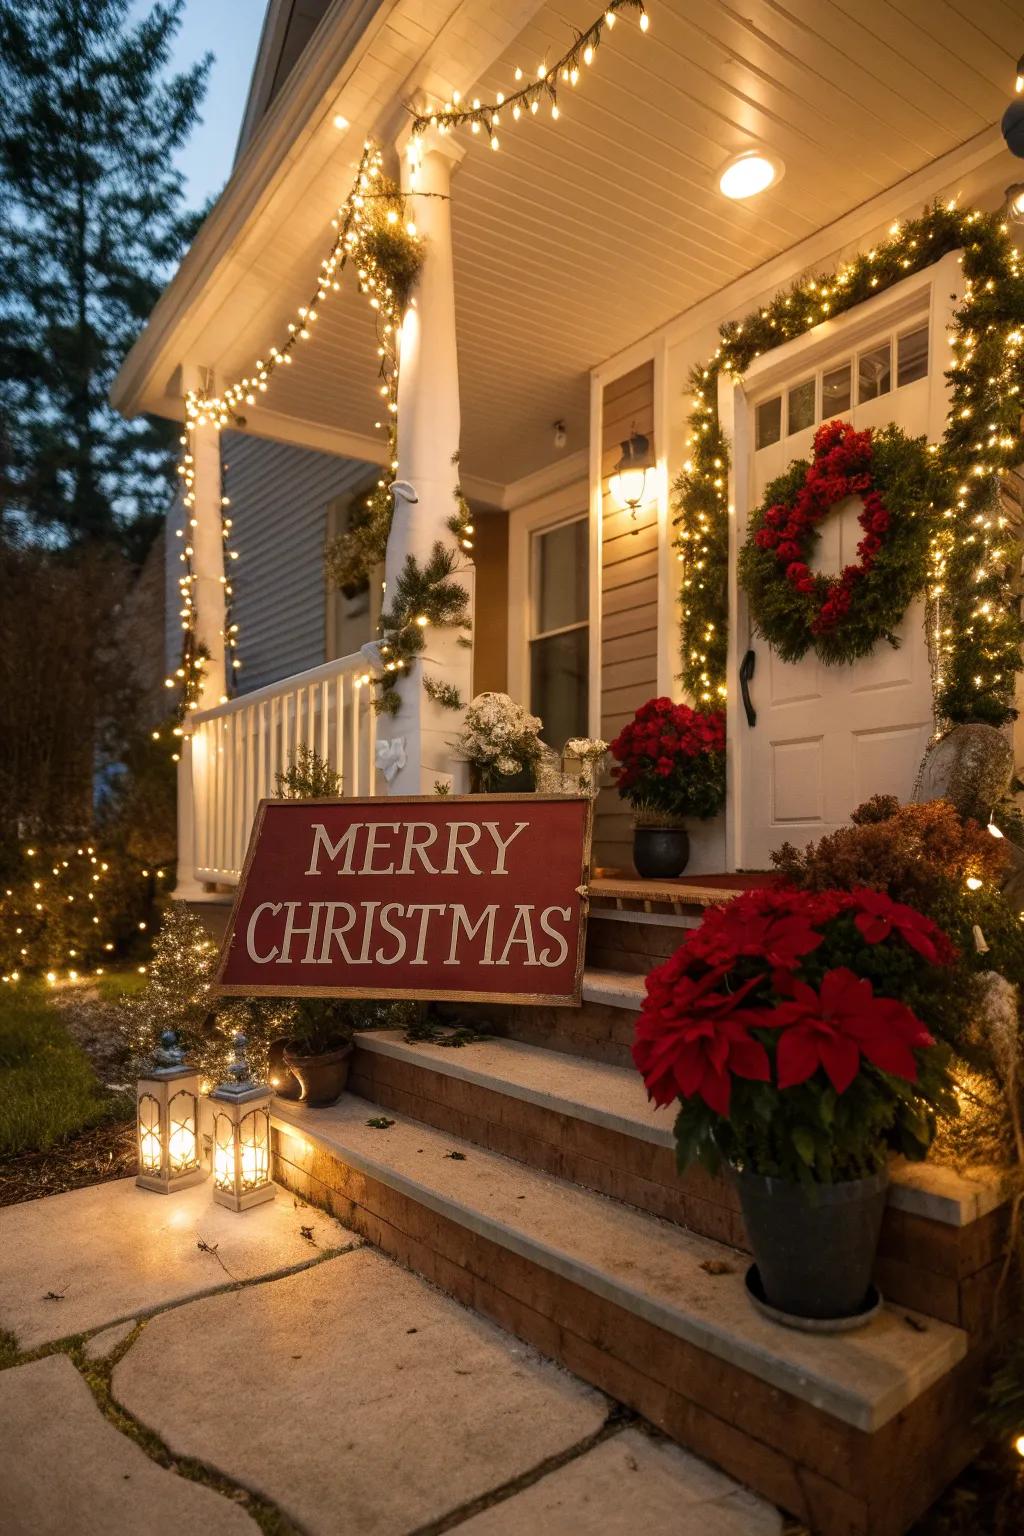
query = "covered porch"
x=572 y=281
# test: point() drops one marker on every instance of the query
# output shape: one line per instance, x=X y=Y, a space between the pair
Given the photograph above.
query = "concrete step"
x=591 y=1123
x=826 y=1426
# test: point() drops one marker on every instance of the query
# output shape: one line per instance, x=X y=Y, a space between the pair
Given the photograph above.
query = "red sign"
x=478 y=898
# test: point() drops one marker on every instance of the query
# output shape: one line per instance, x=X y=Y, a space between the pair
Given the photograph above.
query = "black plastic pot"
x=815 y=1248
x=660 y=853
x=322 y=1078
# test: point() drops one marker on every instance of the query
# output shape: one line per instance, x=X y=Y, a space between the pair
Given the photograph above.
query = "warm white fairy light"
x=529 y=91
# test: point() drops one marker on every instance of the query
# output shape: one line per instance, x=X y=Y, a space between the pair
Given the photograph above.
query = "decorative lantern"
x=628 y=483
x=241 y=1137
x=167 y=1118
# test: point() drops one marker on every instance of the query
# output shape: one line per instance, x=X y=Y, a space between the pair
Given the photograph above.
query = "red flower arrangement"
x=842 y=616
x=670 y=760
x=794 y=1028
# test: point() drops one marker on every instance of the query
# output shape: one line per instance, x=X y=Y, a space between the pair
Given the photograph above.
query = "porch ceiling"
x=583 y=235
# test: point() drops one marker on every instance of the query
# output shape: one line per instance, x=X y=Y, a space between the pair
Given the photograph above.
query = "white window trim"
x=566 y=505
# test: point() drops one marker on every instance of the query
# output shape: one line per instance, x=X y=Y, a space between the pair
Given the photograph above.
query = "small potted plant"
x=796 y=1030
x=501 y=743
x=670 y=765
x=319 y=1048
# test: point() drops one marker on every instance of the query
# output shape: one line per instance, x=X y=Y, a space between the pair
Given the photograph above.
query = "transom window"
x=560 y=629
x=900 y=359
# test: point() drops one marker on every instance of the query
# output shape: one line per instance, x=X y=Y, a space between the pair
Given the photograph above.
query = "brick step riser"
x=946 y=1272
x=838 y=1480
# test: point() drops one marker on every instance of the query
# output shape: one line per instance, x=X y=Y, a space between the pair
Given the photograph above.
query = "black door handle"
x=747 y=666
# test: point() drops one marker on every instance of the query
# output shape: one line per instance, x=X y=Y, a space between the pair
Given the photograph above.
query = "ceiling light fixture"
x=750 y=172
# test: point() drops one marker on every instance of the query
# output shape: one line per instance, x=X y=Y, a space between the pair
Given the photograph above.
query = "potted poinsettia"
x=670 y=765
x=800 y=1033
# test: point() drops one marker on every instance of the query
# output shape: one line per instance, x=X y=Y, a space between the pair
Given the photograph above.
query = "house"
x=579 y=263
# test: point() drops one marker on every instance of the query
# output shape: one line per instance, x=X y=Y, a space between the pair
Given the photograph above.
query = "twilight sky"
x=230 y=30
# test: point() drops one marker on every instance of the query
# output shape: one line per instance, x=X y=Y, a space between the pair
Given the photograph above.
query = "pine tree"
x=91 y=224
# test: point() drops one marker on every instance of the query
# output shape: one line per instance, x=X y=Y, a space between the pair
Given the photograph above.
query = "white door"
x=826 y=738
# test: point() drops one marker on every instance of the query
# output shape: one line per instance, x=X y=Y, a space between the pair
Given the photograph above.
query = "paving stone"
x=115 y=1251
x=104 y=1343
x=627 y=1484
x=353 y=1395
x=64 y=1468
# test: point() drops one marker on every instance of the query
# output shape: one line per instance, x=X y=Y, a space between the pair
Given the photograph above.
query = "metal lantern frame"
x=636 y=458
x=167 y=1128
x=241 y=1137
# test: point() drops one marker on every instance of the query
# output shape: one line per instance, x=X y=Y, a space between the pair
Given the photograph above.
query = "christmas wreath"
x=841 y=617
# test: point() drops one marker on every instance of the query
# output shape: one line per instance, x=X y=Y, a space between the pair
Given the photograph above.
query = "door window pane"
x=874 y=373
x=562 y=577
x=912 y=356
x=801 y=407
x=835 y=392
x=558 y=685
x=768 y=428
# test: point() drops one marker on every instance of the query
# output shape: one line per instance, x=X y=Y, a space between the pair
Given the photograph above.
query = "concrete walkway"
x=201 y=1370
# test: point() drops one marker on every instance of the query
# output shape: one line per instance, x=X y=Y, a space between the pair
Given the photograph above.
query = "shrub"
x=309 y=777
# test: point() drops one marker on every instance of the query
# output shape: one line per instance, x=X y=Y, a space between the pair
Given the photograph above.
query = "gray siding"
x=279 y=498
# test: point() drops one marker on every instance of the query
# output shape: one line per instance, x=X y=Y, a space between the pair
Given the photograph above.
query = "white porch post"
x=428 y=437
x=202 y=530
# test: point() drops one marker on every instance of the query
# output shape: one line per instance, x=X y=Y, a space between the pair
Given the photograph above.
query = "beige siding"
x=629 y=599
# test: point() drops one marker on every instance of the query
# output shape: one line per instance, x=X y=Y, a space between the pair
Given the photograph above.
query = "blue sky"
x=230 y=30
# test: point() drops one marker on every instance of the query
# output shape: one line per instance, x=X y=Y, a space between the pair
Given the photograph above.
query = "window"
x=835 y=392
x=800 y=410
x=874 y=373
x=769 y=423
x=559 y=630
x=912 y=356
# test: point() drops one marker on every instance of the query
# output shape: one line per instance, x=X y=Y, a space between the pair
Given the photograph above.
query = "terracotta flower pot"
x=323 y=1078
x=660 y=853
x=814 y=1247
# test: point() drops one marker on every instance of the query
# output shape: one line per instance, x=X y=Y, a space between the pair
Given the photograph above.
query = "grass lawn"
x=48 y=1088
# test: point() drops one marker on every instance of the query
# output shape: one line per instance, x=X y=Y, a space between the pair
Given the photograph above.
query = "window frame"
x=535 y=535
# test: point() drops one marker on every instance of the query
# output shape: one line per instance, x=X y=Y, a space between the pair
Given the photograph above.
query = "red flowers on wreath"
x=752 y=995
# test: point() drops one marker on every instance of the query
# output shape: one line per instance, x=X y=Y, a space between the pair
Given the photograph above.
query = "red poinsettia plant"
x=802 y=1032
x=670 y=762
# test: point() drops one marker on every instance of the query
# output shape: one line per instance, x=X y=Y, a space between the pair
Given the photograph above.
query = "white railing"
x=238 y=749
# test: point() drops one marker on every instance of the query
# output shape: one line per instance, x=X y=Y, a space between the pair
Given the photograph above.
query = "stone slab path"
x=83 y=1260
x=65 y=1471
x=344 y=1396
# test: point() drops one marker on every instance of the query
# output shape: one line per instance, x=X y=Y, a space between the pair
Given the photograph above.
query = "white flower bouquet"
x=500 y=738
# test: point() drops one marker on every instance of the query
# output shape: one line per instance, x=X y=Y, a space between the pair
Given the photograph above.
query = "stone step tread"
x=615 y=1097
x=617 y=989
x=646 y=1265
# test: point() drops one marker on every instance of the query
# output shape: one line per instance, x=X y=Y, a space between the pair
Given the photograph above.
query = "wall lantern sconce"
x=167 y=1118
x=628 y=483
x=241 y=1137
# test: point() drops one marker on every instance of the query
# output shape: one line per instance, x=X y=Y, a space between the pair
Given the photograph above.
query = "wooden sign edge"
x=219 y=988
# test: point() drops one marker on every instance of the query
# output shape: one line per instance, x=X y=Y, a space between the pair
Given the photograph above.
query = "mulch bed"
x=105 y=1152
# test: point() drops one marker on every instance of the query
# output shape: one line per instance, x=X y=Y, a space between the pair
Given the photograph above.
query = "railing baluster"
x=339 y=734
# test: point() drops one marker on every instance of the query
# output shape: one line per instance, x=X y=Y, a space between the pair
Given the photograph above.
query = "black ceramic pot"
x=322 y=1078
x=660 y=853
x=814 y=1248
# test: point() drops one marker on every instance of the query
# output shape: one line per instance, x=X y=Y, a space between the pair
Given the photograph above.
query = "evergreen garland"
x=974 y=553
x=424 y=595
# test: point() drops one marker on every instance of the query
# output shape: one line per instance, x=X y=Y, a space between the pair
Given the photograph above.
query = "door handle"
x=747 y=666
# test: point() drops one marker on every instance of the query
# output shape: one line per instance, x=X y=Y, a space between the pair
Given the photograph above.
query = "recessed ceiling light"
x=746 y=174
x=341 y=122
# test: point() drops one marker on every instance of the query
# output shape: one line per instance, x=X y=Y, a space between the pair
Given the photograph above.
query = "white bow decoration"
x=390 y=755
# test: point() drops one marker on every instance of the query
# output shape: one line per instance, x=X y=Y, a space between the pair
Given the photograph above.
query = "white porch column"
x=428 y=437
x=204 y=532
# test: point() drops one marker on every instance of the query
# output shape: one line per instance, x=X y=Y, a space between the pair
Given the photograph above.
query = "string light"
x=975 y=627
x=372 y=201
x=542 y=87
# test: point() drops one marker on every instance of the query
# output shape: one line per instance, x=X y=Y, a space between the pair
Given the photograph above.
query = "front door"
x=828 y=737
